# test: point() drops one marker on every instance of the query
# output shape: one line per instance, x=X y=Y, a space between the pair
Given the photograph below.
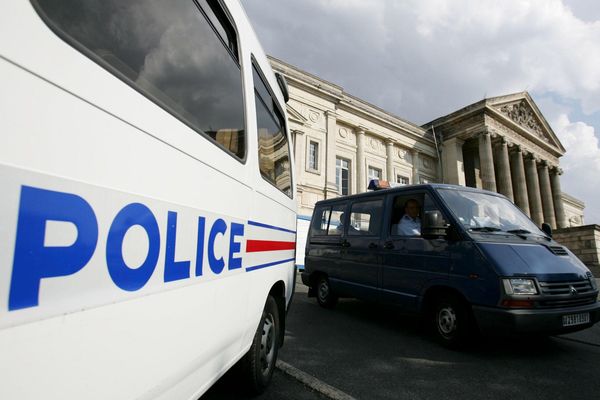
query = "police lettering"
x=34 y=261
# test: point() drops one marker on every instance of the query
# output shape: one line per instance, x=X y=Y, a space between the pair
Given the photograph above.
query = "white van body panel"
x=69 y=126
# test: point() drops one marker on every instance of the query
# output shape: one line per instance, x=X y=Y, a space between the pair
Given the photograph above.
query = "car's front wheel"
x=258 y=364
x=451 y=321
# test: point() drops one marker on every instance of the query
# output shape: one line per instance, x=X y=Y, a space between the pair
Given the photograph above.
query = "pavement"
x=362 y=350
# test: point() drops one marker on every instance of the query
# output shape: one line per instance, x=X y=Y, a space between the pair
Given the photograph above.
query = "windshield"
x=485 y=212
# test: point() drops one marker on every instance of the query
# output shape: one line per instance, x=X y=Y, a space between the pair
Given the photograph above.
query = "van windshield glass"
x=487 y=213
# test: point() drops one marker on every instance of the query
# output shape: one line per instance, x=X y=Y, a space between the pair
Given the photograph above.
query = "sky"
x=422 y=59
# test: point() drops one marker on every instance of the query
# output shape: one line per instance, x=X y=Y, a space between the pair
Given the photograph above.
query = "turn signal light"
x=512 y=303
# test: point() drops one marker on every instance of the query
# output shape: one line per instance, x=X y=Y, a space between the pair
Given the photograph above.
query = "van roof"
x=406 y=188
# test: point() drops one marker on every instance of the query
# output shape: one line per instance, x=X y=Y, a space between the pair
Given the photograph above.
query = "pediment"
x=294 y=115
x=522 y=111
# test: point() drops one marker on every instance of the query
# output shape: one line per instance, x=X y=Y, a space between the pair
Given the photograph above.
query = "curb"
x=312 y=382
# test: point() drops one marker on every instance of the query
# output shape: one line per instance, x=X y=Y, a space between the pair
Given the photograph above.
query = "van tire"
x=451 y=321
x=258 y=364
x=325 y=296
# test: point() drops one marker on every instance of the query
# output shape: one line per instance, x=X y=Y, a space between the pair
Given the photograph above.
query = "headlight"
x=593 y=282
x=519 y=286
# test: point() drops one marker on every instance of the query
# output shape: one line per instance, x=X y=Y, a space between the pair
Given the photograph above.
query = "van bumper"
x=493 y=321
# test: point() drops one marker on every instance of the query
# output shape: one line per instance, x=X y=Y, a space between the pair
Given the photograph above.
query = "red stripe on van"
x=268 y=245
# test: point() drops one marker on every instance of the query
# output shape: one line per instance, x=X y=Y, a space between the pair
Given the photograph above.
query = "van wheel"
x=325 y=297
x=258 y=364
x=451 y=321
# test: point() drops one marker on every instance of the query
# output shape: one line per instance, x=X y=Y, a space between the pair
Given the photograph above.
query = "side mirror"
x=434 y=225
x=283 y=86
x=547 y=229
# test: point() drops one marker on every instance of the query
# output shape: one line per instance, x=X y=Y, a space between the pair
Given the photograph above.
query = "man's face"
x=412 y=209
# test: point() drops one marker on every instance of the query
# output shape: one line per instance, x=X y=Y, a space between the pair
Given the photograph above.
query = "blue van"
x=465 y=258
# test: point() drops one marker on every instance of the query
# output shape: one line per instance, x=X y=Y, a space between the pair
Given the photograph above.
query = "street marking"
x=577 y=341
x=312 y=382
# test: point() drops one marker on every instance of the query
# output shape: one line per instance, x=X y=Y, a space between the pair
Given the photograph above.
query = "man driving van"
x=410 y=223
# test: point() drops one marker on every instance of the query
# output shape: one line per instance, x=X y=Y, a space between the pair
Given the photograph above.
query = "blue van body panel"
x=532 y=259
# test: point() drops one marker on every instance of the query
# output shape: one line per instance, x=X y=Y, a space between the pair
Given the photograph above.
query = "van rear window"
x=180 y=55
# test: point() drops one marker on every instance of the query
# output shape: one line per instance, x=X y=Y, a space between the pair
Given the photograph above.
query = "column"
x=330 y=186
x=299 y=152
x=389 y=147
x=415 y=164
x=519 y=184
x=546 y=192
x=559 y=210
x=533 y=190
x=361 y=176
x=502 y=167
x=486 y=160
x=453 y=163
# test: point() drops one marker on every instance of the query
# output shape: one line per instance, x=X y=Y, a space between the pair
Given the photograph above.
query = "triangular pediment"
x=294 y=115
x=520 y=109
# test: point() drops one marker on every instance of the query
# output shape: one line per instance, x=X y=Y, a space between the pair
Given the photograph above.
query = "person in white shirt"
x=410 y=223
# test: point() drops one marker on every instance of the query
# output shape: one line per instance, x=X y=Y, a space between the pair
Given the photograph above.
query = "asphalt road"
x=372 y=352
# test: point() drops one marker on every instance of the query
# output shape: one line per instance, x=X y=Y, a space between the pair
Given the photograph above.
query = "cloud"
x=581 y=163
x=421 y=59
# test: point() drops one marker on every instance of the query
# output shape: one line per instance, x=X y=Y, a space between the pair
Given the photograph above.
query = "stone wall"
x=584 y=242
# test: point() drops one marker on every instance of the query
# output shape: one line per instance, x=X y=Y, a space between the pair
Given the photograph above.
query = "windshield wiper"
x=485 y=229
x=518 y=231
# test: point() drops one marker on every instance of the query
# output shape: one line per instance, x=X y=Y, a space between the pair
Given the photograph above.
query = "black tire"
x=451 y=322
x=325 y=296
x=258 y=364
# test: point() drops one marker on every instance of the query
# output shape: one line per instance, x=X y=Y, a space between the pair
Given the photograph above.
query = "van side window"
x=407 y=211
x=181 y=56
x=321 y=220
x=365 y=218
x=273 y=149
x=336 y=222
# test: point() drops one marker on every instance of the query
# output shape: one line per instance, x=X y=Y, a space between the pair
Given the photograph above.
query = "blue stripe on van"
x=304 y=217
x=255 y=267
x=259 y=224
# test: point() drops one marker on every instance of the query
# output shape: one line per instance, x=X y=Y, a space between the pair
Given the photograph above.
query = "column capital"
x=360 y=130
x=515 y=148
x=297 y=132
x=543 y=163
x=331 y=114
x=530 y=156
x=389 y=141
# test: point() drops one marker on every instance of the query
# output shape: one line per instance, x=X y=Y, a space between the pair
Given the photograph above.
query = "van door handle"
x=345 y=243
x=388 y=245
x=372 y=245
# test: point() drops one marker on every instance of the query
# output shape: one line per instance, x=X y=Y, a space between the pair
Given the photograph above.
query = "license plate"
x=576 y=319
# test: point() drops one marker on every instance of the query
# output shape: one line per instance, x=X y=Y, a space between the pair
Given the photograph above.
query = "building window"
x=374 y=173
x=342 y=176
x=403 y=180
x=313 y=156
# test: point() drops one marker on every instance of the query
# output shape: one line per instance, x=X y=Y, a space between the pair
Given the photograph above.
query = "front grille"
x=567 y=302
x=566 y=294
x=558 y=250
x=564 y=288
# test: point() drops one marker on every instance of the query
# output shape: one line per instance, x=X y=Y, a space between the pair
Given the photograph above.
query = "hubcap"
x=446 y=321
x=267 y=344
x=323 y=290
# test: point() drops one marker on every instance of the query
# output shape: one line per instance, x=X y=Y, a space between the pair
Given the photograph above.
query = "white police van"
x=147 y=207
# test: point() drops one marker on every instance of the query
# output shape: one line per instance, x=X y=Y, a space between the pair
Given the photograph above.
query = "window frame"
x=377 y=234
x=284 y=128
x=341 y=168
x=71 y=41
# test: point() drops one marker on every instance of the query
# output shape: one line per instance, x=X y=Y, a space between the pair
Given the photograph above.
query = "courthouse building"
x=503 y=144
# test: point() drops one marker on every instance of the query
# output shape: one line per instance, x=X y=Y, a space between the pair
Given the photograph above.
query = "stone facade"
x=584 y=242
x=341 y=141
x=502 y=144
